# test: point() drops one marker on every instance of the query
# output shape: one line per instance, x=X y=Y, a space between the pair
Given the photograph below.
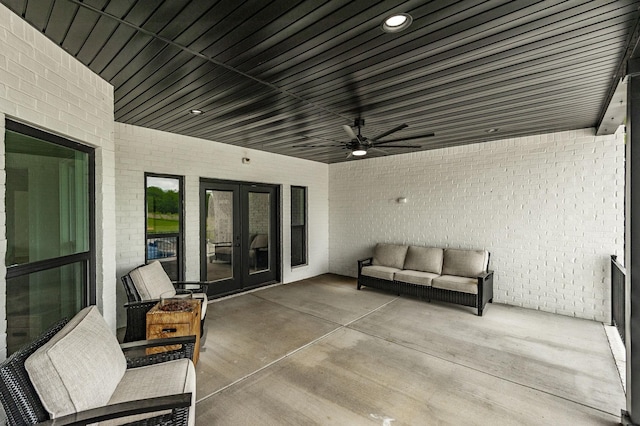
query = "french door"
x=240 y=244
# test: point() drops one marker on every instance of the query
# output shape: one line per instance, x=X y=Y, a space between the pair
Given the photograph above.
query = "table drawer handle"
x=169 y=330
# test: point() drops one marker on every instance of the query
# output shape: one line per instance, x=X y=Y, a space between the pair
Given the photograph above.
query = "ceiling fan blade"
x=350 y=132
x=426 y=135
x=316 y=146
x=379 y=150
x=388 y=132
x=320 y=138
x=401 y=146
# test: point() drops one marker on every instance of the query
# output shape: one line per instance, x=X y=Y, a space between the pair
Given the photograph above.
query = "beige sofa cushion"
x=391 y=255
x=79 y=368
x=455 y=283
x=382 y=272
x=415 y=277
x=152 y=281
x=465 y=263
x=167 y=378
x=426 y=259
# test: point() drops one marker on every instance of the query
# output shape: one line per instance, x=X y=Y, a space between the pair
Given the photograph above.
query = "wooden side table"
x=175 y=323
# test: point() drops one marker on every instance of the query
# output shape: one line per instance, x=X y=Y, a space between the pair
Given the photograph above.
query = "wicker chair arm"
x=148 y=304
x=124 y=409
x=143 y=344
x=193 y=286
x=186 y=350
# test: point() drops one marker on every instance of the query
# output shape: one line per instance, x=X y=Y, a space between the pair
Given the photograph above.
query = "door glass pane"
x=219 y=235
x=259 y=238
x=47 y=200
x=37 y=300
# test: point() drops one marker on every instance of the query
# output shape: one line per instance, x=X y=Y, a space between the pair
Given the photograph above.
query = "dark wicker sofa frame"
x=22 y=404
x=478 y=301
x=137 y=308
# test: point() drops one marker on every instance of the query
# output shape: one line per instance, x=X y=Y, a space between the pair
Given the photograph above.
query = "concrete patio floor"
x=320 y=352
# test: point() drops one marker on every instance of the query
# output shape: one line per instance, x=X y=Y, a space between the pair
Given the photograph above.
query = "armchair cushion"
x=390 y=255
x=152 y=281
x=425 y=259
x=79 y=368
x=168 y=378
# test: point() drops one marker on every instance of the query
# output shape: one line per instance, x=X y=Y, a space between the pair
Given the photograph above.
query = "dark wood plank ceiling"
x=273 y=75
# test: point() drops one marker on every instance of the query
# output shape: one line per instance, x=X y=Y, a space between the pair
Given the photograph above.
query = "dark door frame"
x=248 y=281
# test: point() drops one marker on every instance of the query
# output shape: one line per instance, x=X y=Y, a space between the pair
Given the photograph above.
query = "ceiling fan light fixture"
x=397 y=22
x=359 y=150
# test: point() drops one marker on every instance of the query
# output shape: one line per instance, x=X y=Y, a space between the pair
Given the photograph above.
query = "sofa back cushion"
x=152 y=281
x=465 y=263
x=391 y=255
x=79 y=368
x=425 y=259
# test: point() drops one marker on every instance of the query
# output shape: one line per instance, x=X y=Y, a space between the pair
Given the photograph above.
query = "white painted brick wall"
x=548 y=207
x=43 y=86
x=140 y=150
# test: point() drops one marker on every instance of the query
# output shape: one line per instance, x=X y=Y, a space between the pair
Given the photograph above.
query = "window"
x=50 y=231
x=164 y=223
x=298 y=225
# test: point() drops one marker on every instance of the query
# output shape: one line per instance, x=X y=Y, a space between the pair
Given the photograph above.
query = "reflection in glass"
x=163 y=223
x=47 y=200
x=219 y=235
x=259 y=238
x=163 y=205
x=37 y=300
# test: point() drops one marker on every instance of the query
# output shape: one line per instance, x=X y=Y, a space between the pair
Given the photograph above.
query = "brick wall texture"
x=549 y=208
x=44 y=87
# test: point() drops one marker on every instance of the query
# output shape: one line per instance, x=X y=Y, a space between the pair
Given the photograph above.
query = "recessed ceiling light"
x=195 y=111
x=397 y=22
x=492 y=130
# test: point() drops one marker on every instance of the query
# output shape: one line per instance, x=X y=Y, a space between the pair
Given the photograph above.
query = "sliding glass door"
x=240 y=247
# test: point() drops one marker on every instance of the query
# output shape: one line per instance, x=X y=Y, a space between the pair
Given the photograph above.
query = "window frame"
x=305 y=227
x=179 y=234
x=89 y=257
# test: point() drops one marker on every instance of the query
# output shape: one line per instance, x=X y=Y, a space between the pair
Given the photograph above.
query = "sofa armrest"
x=364 y=262
x=124 y=409
x=485 y=290
x=485 y=276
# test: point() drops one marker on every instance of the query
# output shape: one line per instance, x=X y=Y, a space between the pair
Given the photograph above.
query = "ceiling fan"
x=359 y=145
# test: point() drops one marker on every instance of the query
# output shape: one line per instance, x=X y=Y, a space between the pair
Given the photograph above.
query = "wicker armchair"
x=144 y=285
x=24 y=405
